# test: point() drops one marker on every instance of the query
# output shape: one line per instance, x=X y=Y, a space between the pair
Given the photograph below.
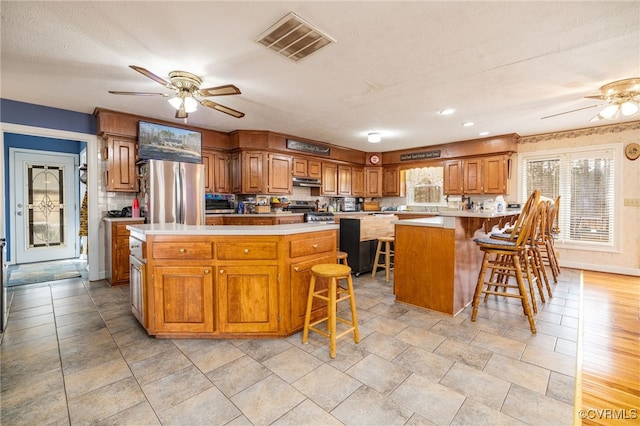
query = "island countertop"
x=142 y=230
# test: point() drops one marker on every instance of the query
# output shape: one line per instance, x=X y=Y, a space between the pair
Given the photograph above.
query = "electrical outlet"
x=635 y=202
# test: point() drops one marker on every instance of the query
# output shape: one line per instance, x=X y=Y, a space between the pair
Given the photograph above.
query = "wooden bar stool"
x=387 y=252
x=341 y=257
x=332 y=295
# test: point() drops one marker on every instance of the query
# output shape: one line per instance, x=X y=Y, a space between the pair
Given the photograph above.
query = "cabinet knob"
x=135 y=246
x=206 y=271
x=222 y=271
x=246 y=251
x=315 y=246
x=181 y=251
x=295 y=268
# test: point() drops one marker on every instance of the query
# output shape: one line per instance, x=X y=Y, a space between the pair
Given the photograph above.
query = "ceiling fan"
x=622 y=96
x=187 y=92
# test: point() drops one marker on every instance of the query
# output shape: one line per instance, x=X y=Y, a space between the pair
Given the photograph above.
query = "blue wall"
x=15 y=112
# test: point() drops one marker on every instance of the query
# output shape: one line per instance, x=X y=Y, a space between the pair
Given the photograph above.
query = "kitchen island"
x=436 y=261
x=225 y=281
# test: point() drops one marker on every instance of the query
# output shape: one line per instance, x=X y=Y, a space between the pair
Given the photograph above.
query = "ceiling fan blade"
x=116 y=92
x=602 y=98
x=222 y=108
x=227 y=89
x=567 y=112
x=152 y=76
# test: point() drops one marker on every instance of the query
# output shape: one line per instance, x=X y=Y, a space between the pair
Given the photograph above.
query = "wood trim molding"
x=588 y=131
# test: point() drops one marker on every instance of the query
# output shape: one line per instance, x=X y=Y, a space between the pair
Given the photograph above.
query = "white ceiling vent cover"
x=294 y=38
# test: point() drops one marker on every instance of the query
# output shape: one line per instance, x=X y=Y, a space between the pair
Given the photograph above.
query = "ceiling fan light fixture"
x=190 y=104
x=374 y=137
x=609 y=111
x=629 y=108
x=175 y=101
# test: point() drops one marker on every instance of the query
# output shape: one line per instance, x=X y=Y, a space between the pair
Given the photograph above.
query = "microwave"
x=348 y=204
x=216 y=203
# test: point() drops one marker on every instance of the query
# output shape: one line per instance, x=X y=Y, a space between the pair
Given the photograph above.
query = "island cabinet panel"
x=247 y=250
x=247 y=298
x=184 y=296
x=192 y=250
x=310 y=246
x=300 y=278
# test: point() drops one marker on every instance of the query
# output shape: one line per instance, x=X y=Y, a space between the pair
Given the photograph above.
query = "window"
x=424 y=186
x=585 y=182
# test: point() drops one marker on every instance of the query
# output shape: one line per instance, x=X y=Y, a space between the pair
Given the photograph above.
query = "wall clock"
x=374 y=159
x=632 y=151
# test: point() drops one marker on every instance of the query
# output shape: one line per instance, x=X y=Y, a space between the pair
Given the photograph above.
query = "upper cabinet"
x=303 y=167
x=329 y=179
x=357 y=181
x=486 y=175
x=279 y=174
x=391 y=182
x=373 y=181
x=217 y=172
x=252 y=172
x=344 y=180
x=121 y=156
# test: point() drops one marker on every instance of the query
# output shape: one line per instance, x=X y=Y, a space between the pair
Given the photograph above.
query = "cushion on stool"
x=492 y=242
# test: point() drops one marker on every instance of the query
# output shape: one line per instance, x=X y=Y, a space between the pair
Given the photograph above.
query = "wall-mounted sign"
x=420 y=155
x=308 y=147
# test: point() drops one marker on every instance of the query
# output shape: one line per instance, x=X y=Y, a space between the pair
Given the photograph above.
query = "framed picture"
x=158 y=142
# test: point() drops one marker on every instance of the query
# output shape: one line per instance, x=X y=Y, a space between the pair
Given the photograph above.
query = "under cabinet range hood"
x=308 y=182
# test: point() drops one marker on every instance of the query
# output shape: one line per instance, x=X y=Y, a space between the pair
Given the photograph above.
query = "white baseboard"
x=601 y=268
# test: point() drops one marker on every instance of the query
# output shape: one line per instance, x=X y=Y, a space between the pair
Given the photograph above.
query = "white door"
x=44 y=205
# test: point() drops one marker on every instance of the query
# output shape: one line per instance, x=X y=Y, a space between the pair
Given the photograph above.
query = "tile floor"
x=73 y=354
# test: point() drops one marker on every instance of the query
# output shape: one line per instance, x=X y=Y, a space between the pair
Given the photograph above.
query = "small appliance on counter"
x=348 y=204
x=219 y=203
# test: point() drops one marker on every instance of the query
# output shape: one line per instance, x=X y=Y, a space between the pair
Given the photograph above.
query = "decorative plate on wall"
x=632 y=151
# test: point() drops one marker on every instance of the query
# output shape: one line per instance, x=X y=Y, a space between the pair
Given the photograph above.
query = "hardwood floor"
x=608 y=379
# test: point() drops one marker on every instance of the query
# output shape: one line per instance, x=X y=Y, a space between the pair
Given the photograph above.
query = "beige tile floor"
x=73 y=354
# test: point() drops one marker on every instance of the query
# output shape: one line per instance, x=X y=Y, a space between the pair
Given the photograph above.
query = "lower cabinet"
x=247 y=298
x=300 y=278
x=184 y=295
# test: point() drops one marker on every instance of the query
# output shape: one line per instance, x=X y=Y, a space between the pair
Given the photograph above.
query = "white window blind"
x=585 y=182
x=424 y=186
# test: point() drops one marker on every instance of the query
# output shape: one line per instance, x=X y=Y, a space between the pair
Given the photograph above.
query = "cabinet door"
x=183 y=298
x=314 y=169
x=453 y=177
x=300 y=167
x=121 y=260
x=221 y=173
x=282 y=220
x=236 y=172
x=136 y=289
x=329 y=179
x=252 y=172
x=208 y=162
x=300 y=278
x=357 y=181
x=214 y=220
x=121 y=165
x=391 y=182
x=344 y=180
x=237 y=220
x=279 y=172
x=373 y=182
x=472 y=178
x=247 y=298
x=494 y=175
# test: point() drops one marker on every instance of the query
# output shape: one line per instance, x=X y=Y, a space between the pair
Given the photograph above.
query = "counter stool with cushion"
x=384 y=247
x=341 y=257
x=332 y=295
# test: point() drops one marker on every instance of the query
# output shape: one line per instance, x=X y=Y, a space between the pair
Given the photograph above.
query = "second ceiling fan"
x=187 y=92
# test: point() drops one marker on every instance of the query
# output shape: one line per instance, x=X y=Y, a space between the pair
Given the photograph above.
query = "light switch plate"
x=635 y=202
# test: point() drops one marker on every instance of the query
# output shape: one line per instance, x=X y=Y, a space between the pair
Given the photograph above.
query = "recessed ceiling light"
x=483 y=133
x=447 y=111
x=468 y=124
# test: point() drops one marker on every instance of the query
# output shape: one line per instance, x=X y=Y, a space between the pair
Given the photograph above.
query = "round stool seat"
x=386 y=239
x=341 y=257
x=328 y=270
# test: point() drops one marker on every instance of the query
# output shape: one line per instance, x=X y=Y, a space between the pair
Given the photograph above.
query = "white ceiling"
x=394 y=65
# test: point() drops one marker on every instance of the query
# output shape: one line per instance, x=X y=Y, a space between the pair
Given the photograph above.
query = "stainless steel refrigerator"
x=175 y=192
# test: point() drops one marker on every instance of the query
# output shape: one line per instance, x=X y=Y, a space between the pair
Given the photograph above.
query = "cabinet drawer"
x=121 y=229
x=135 y=248
x=249 y=250
x=191 y=250
x=312 y=245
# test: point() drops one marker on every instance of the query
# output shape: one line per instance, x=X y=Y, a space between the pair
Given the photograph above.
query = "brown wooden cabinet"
x=247 y=298
x=117 y=242
x=483 y=175
x=213 y=220
x=344 y=180
x=247 y=220
x=221 y=173
x=121 y=156
x=283 y=220
x=303 y=167
x=329 y=179
x=391 y=182
x=279 y=174
x=357 y=182
x=186 y=295
x=252 y=172
x=373 y=181
x=208 y=161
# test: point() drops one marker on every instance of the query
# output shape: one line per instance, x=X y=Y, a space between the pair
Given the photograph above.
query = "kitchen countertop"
x=122 y=219
x=142 y=230
x=448 y=219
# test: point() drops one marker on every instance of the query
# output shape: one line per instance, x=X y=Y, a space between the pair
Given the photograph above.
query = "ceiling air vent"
x=294 y=38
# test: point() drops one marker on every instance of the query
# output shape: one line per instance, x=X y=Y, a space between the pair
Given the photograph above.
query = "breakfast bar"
x=225 y=281
x=436 y=261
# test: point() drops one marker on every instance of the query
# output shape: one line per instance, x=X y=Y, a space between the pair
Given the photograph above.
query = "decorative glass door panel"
x=45 y=206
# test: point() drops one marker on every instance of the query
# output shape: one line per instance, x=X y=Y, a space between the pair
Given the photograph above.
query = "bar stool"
x=387 y=252
x=332 y=295
x=341 y=257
